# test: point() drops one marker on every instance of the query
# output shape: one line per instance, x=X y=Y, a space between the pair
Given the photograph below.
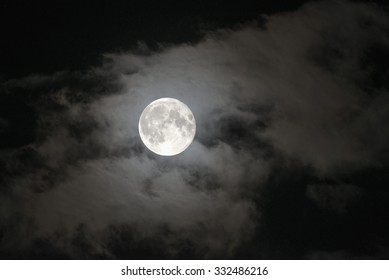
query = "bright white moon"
x=167 y=126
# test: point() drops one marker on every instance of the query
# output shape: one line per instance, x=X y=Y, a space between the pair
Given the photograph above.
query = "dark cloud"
x=333 y=198
x=288 y=115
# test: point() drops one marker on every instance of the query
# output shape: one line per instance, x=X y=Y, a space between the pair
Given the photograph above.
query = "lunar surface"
x=167 y=126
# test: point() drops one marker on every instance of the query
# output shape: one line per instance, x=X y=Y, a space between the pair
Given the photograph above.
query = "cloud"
x=294 y=89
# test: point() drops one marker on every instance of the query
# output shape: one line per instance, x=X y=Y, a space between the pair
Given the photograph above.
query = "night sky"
x=290 y=158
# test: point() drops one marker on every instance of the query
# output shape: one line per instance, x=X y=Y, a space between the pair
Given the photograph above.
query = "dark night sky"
x=73 y=34
x=290 y=159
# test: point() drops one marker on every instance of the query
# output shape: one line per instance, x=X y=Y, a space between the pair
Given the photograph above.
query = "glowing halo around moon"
x=167 y=126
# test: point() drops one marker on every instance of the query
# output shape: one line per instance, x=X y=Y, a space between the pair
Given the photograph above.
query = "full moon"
x=167 y=126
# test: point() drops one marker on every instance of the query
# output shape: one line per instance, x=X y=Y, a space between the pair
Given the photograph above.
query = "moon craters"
x=167 y=126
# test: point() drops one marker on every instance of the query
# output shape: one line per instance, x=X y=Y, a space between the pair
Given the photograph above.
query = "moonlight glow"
x=167 y=126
